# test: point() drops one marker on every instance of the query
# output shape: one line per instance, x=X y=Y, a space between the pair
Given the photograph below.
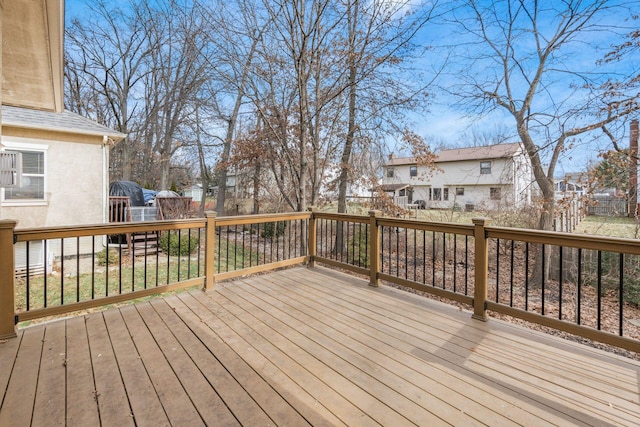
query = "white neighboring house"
x=489 y=177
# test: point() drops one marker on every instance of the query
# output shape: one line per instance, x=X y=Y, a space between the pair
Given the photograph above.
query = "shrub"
x=101 y=256
x=273 y=229
x=171 y=244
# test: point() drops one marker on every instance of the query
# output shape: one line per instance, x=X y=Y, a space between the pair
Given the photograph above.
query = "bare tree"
x=237 y=29
x=177 y=72
x=378 y=42
x=105 y=55
x=516 y=57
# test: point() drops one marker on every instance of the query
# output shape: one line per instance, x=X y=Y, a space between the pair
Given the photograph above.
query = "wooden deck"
x=306 y=346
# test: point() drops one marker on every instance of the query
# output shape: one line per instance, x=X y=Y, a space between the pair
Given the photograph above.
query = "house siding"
x=75 y=188
x=511 y=175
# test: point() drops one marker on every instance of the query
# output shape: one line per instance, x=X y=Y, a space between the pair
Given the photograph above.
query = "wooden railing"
x=584 y=285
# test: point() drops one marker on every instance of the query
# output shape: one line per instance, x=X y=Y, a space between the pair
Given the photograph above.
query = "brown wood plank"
x=203 y=347
x=17 y=407
x=82 y=408
x=8 y=351
x=306 y=346
x=555 y=395
x=503 y=350
x=113 y=403
x=366 y=369
x=291 y=379
x=391 y=341
x=50 y=405
x=427 y=379
x=146 y=406
x=202 y=394
x=276 y=408
x=174 y=399
x=352 y=392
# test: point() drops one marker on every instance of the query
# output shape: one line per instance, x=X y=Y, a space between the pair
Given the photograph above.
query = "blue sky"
x=446 y=125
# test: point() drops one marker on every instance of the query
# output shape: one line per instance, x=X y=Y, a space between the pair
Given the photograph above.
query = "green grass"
x=609 y=226
x=88 y=286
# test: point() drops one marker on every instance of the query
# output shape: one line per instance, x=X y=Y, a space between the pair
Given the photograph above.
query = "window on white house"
x=485 y=168
x=33 y=178
x=460 y=191
x=445 y=194
x=495 y=193
x=413 y=170
x=435 y=194
x=390 y=173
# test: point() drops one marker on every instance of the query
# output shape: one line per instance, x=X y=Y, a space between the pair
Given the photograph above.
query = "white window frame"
x=485 y=168
x=13 y=145
x=413 y=171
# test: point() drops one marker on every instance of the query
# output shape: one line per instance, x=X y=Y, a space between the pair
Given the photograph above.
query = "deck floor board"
x=306 y=347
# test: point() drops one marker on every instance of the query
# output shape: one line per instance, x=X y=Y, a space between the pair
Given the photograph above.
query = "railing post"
x=210 y=256
x=374 y=248
x=312 y=238
x=481 y=269
x=7 y=276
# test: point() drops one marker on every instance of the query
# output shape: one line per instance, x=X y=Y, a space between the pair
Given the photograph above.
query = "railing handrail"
x=44 y=233
x=584 y=241
x=480 y=231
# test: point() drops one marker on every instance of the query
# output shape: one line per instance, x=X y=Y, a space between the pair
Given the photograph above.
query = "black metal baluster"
x=433 y=258
x=120 y=268
x=397 y=252
x=424 y=257
x=444 y=260
x=543 y=275
x=93 y=267
x=179 y=254
x=511 y=275
x=189 y=253
x=61 y=271
x=28 y=295
x=599 y=288
x=455 y=262
x=235 y=247
x=526 y=276
x=106 y=270
x=579 y=293
x=415 y=254
x=133 y=262
x=146 y=256
x=560 y=280
x=497 y=270
x=466 y=265
x=77 y=269
x=621 y=293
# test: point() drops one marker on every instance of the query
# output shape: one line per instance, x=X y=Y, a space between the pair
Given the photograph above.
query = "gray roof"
x=496 y=151
x=66 y=121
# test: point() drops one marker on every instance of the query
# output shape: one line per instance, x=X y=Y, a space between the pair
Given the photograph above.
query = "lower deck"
x=306 y=346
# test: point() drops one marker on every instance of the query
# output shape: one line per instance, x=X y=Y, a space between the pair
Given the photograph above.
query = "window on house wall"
x=437 y=194
x=460 y=191
x=495 y=193
x=445 y=194
x=390 y=173
x=413 y=170
x=33 y=178
x=485 y=168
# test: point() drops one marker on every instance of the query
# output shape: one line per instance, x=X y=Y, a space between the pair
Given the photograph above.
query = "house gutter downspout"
x=105 y=177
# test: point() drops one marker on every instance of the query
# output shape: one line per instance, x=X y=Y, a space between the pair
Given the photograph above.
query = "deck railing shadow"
x=584 y=285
